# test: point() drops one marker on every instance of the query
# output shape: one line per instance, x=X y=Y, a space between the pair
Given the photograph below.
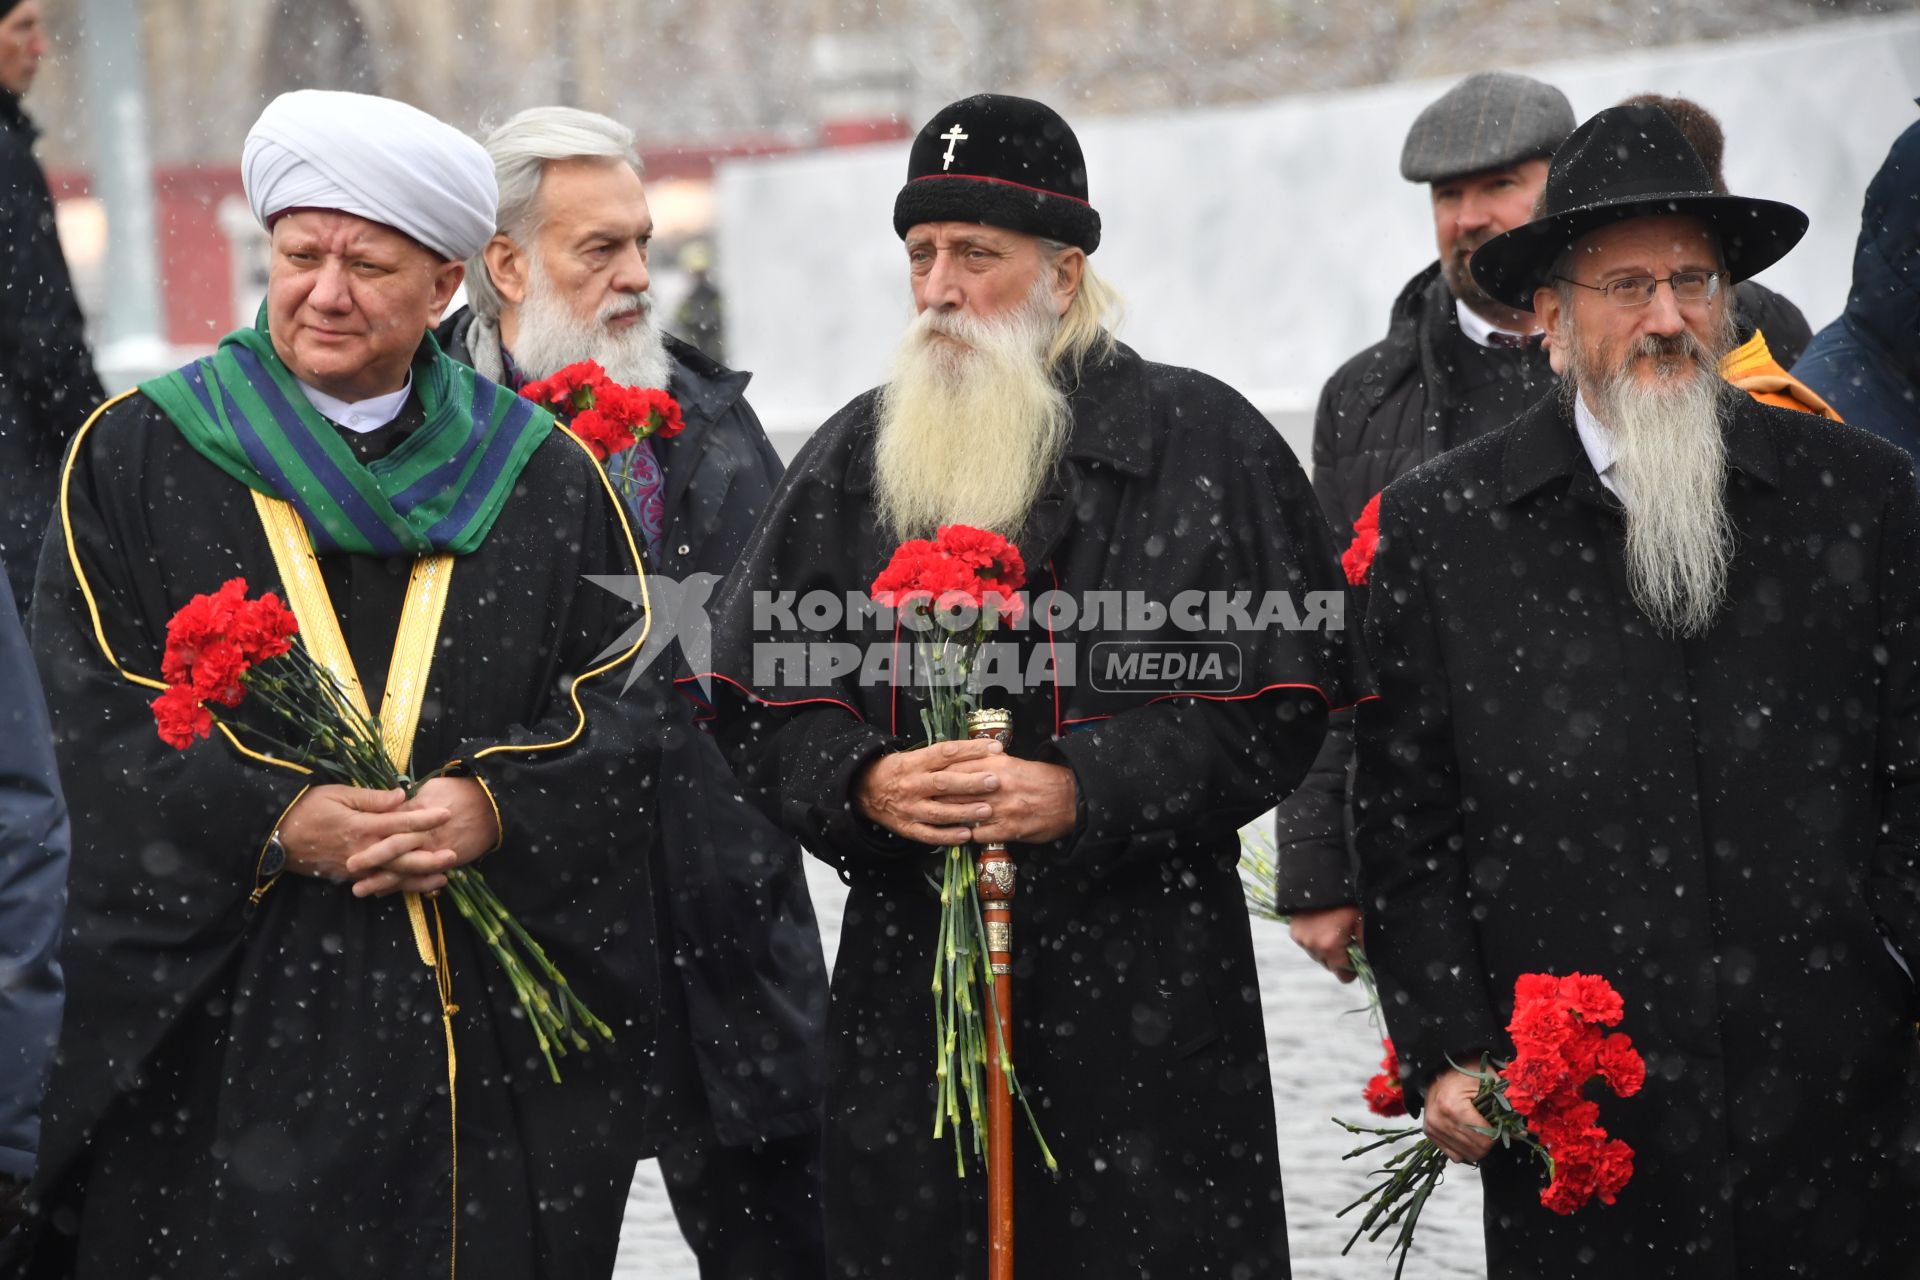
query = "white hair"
x=521 y=149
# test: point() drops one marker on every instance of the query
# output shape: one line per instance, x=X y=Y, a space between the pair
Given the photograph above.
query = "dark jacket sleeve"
x=42 y=333
x=1154 y=773
x=1894 y=883
x=1421 y=936
x=1313 y=838
x=167 y=843
x=799 y=765
x=33 y=893
x=1326 y=449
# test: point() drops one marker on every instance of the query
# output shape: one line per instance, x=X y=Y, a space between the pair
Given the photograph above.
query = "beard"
x=970 y=423
x=1670 y=463
x=551 y=336
x=1453 y=267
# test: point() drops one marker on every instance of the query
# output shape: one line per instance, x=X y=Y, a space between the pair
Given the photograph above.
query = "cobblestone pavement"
x=1321 y=1053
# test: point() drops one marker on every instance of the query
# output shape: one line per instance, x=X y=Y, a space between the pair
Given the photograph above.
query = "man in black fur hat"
x=1648 y=667
x=1128 y=487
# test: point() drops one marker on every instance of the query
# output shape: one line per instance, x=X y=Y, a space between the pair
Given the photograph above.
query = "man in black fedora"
x=1649 y=676
x=1134 y=492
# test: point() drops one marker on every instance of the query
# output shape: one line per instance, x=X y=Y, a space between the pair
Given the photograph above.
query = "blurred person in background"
x=47 y=381
x=33 y=893
x=1454 y=365
x=1756 y=309
x=734 y=1109
x=1867 y=362
x=701 y=316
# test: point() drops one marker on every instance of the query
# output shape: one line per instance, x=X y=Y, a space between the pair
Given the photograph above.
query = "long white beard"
x=1670 y=462
x=968 y=434
x=551 y=337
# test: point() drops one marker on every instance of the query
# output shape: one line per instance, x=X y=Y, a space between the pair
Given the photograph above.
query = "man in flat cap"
x=276 y=1056
x=47 y=382
x=1456 y=363
x=1156 y=512
x=1648 y=664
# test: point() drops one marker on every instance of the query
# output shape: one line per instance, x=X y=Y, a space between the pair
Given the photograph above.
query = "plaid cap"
x=1488 y=121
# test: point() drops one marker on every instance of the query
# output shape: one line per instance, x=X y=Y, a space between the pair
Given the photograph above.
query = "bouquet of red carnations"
x=1536 y=1099
x=609 y=419
x=223 y=647
x=960 y=584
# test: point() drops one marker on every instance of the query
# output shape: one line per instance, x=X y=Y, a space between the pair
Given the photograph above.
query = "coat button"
x=685 y=549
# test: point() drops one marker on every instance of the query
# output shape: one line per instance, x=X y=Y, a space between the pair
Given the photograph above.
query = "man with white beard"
x=1128 y=487
x=734 y=1099
x=1648 y=665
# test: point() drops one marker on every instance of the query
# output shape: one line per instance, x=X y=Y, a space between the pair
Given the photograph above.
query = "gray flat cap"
x=1488 y=121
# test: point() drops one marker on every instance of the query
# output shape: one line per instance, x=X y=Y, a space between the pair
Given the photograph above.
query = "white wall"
x=1265 y=243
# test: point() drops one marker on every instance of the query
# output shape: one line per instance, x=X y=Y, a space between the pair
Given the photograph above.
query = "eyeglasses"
x=1637 y=291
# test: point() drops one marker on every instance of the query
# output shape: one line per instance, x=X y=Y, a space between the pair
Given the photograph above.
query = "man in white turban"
x=277 y=1059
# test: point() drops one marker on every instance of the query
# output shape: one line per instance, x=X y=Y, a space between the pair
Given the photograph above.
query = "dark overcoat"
x=1726 y=827
x=47 y=382
x=744 y=1020
x=1136 y=1004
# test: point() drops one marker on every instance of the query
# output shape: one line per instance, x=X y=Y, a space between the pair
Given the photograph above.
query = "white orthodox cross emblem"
x=952 y=137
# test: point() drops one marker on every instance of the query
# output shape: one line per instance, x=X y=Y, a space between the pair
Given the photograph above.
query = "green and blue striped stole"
x=439 y=490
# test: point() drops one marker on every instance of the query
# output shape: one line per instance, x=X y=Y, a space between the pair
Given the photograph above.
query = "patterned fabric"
x=440 y=490
x=638 y=473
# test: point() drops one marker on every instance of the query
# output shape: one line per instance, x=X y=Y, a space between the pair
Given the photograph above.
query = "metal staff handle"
x=995 y=877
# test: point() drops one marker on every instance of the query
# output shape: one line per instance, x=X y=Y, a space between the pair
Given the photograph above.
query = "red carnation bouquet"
x=1536 y=1099
x=223 y=647
x=609 y=419
x=962 y=582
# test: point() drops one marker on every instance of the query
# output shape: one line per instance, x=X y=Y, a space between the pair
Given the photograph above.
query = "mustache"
x=1468 y=241
x=1668 y=348
x=622 y=304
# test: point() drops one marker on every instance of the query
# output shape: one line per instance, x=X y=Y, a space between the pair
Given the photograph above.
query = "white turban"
x=375 y=158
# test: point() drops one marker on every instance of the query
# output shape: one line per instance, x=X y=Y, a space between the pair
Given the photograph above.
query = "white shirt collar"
x=1476 y=326
x=361 y=416
x=1597 y=441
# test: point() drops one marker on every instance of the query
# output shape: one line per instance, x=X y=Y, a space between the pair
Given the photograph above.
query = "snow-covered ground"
x=1321 y=1053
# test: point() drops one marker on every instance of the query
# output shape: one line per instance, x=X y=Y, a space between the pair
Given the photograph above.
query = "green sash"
x=440 y=490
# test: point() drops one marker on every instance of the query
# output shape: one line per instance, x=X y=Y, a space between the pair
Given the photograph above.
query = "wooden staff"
x=995 y=878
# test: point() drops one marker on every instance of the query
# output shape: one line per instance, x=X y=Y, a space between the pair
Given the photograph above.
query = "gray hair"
x=1087 y=329
x=521 y=149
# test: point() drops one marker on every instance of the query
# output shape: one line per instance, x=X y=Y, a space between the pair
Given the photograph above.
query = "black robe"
x=1725 y=827
x=1136 y=1004
x=248 y=1090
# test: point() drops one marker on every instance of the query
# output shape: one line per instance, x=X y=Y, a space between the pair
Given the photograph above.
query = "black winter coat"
x=1378 y=419
x=742 y=1039
x=47 y=382
x=1726 y=827
x=1137 y=1022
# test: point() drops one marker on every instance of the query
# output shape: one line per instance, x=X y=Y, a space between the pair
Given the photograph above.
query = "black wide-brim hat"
x=1630 y=162
x=1002 y=161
